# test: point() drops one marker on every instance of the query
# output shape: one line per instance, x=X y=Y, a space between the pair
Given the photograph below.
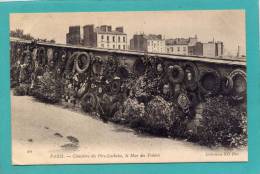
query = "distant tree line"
x=20 y=34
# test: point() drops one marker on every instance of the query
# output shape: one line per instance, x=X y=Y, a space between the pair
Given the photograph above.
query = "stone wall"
x=168 y=94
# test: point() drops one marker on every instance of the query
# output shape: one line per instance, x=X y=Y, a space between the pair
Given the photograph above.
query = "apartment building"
x=104 y=37
x=148 y=43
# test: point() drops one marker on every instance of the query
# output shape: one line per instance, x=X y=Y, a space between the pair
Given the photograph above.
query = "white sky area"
x=222 y=25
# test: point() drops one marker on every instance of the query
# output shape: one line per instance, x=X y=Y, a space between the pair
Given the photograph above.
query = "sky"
x=221 y=25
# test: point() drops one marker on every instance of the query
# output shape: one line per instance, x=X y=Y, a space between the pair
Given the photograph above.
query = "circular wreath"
x=139 y=66
x=175 y=74
x=115 y=87
x=238 y=77
x=85 y=58
x=191 y=76
x=97 y=66
x=209 y=82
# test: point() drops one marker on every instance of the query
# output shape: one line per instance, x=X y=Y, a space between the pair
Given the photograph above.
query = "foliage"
x=19 y=33
x=223 y=124
x=144 y=89
x=21 y=90
x=48 y=89
x=132 y=113
x=158 y=116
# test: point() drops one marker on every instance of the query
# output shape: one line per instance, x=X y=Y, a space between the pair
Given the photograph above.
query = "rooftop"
x=107 y=29
x=177 y=41
x=110 y=32
x=150 y=36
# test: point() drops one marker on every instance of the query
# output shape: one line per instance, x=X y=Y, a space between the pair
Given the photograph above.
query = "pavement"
x=52 y=134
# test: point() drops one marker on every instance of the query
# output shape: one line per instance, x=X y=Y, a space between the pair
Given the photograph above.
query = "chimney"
x=74 y=29
x=103 y=28
x=120 y=29
x=238 y=51
x=109 y=28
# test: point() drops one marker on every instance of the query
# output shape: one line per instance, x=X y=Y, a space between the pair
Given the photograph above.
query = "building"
x=89 y=38
x=104 y=37
x=177 y=46
x=73 y=36
x=148 y=43
x=213 y=49
x=197 y=49
x=181 y=46
x=191 y=46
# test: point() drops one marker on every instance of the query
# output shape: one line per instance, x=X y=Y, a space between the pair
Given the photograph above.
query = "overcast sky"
x=222 y=25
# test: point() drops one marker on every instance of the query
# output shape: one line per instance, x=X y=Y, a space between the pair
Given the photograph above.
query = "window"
x=123 y=47
x=178 y=48
x=113 y=38
x=114 y=46
x=119 y=47
x=118 y=38
x=172 y=49
x=123 y=39
x=102 y=37
x=108 y=38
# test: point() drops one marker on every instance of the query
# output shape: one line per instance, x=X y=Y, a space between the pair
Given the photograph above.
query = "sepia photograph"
x=128 y=87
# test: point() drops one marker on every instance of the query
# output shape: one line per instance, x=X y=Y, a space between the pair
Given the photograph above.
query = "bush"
x=178 y=128
x=222 y=123
x=158 y=116
x=132 y=113
x=21 y=90
x=48 y=90
x=46 y=95
x=144 y=89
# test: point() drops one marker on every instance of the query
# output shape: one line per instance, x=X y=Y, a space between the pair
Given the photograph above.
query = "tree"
x=19 y=33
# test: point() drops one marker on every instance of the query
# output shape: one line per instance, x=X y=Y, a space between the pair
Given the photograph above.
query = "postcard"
x=128 y=87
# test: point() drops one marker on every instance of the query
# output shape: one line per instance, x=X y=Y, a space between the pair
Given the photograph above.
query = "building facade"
x=191 y=46
x=181 y=46
x=89 y=38
x=104 y=37
x=197 y=49
x=148 y=43
x=213 y=49
x=73 y=37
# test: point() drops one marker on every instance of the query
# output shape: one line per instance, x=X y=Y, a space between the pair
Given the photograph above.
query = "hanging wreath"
x=175 y=74
x=238 y=77
x=191 y=76
x=85 y=59
x=139 y=67
x=209 y=82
